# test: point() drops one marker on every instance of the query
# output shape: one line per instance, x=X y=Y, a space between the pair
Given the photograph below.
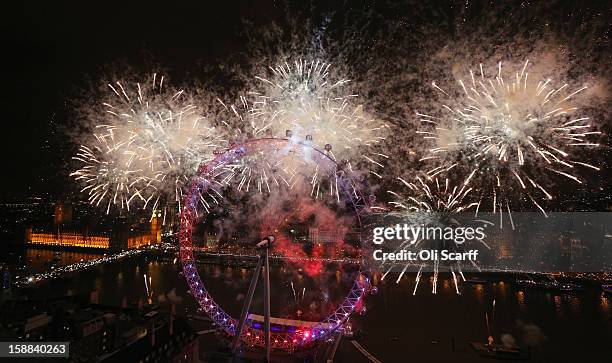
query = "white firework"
x=507 y=135
x=272 y=165
x=112 y=175
x=160 y=132
x=300 y=101
x=431 y=203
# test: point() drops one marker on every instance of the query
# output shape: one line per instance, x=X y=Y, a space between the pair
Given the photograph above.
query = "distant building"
x=212 y=241
x=100 y=333
x=330 y=236
x=506 y=247
x=67 y=239
x=63 y=214
x=123 y=237
x=172 y=340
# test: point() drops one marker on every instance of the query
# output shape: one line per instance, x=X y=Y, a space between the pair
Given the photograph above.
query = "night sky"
x=54 y=49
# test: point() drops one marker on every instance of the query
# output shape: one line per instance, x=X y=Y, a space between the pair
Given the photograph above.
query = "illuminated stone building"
x=63 y=214
x=67 y=239
x=122 y=237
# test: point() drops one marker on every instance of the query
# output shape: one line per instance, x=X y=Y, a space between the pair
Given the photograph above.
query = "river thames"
x=553 y=326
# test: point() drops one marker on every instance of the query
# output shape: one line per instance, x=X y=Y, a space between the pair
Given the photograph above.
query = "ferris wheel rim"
x=250 y=335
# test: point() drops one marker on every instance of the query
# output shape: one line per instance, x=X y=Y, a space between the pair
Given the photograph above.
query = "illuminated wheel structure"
x=200 y=183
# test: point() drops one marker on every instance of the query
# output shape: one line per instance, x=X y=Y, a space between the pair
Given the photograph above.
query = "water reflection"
x=479 y=293
x=604 y=305
x=574 y=303
x=392 y=313
x=520 y=298
x=41 y=260
x=558 y=306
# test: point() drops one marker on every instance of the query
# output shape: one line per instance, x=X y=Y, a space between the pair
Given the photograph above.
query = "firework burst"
x=270 y=166
x=112 y=175
x=300 y=101
x=508 y=135
x=431 y=203
x=151 y=135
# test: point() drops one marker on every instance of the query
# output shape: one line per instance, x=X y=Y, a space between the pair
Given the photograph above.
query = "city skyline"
x=318 y=181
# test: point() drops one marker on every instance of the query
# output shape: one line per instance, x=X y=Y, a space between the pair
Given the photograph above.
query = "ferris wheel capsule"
x=241 y=150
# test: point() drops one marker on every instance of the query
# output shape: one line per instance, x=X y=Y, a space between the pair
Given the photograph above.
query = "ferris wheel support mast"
x=264 y=263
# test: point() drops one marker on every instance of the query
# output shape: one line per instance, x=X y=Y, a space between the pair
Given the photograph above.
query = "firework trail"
x=148 y=288
x=301 y=101
x=507 y=135
x=431 y=203
x=148 y=140
x=114 y=174
x=294 y=294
